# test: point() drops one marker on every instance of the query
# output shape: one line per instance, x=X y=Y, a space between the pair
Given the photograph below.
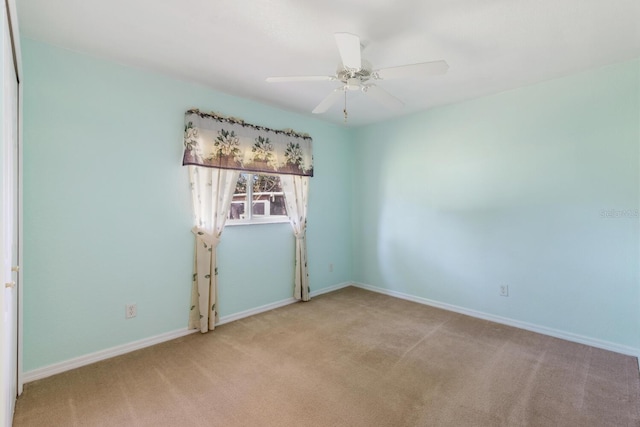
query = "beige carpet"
x=348 y=358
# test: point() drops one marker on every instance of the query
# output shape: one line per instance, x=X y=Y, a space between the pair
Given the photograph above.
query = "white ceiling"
x=233 y=45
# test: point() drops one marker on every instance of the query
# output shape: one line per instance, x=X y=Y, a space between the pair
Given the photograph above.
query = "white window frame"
x=248 y=208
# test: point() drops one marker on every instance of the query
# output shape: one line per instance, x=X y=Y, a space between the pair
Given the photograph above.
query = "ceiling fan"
x=356 y=73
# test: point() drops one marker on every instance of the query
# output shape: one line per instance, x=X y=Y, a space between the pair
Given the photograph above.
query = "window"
x=264 y=194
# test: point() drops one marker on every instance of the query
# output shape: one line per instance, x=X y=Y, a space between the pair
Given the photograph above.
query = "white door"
x=10 y=215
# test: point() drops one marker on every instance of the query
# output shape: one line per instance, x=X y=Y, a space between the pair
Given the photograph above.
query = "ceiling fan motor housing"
x=353 y=78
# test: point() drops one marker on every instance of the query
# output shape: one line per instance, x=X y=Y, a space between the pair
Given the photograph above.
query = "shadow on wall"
x=460 y=215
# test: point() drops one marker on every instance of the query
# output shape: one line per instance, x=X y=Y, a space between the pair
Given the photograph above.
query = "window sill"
x=279 y=220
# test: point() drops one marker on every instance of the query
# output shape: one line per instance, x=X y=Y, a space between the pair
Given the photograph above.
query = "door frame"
x=12 y=18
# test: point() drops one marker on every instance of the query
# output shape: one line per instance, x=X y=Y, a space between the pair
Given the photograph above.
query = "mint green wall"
x=107 y=207
x=509 y=189
x=447 y=205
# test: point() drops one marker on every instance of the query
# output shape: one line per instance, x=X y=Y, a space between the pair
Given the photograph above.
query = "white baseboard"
x=88 y=359
x=277 y=304
x=568 y=336
x=331 y=289
x=253 y=311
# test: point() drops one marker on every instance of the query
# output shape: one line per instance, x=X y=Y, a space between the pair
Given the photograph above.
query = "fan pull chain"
x=345 y=107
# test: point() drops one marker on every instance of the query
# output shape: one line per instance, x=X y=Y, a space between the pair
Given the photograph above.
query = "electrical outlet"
x=331 y=268
x=504 y=290
x=130 y=310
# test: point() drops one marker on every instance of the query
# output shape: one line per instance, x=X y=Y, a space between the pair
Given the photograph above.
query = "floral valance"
x=214 y=141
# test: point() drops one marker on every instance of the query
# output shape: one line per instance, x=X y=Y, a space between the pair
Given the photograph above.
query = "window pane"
x=237 y=208
x=266 y=184
x=258 y=207
x=266 y=194
x=241 y=185
x=277 y=205
x=239 y=200
x=268 y=198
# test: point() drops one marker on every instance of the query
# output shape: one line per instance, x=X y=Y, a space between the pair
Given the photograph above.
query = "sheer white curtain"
x=212 y=191
x=296 y=194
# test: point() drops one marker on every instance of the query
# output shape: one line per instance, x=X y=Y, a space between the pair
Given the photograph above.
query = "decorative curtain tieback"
x=206 y=237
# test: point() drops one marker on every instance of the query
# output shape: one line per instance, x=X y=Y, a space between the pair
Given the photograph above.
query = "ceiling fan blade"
x=414 y=70
x=299 y=79
x=383 y=97
x=328 y=101
x=349 y=47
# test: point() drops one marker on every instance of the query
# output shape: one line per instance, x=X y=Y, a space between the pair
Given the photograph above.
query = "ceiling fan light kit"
x=356 y=73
